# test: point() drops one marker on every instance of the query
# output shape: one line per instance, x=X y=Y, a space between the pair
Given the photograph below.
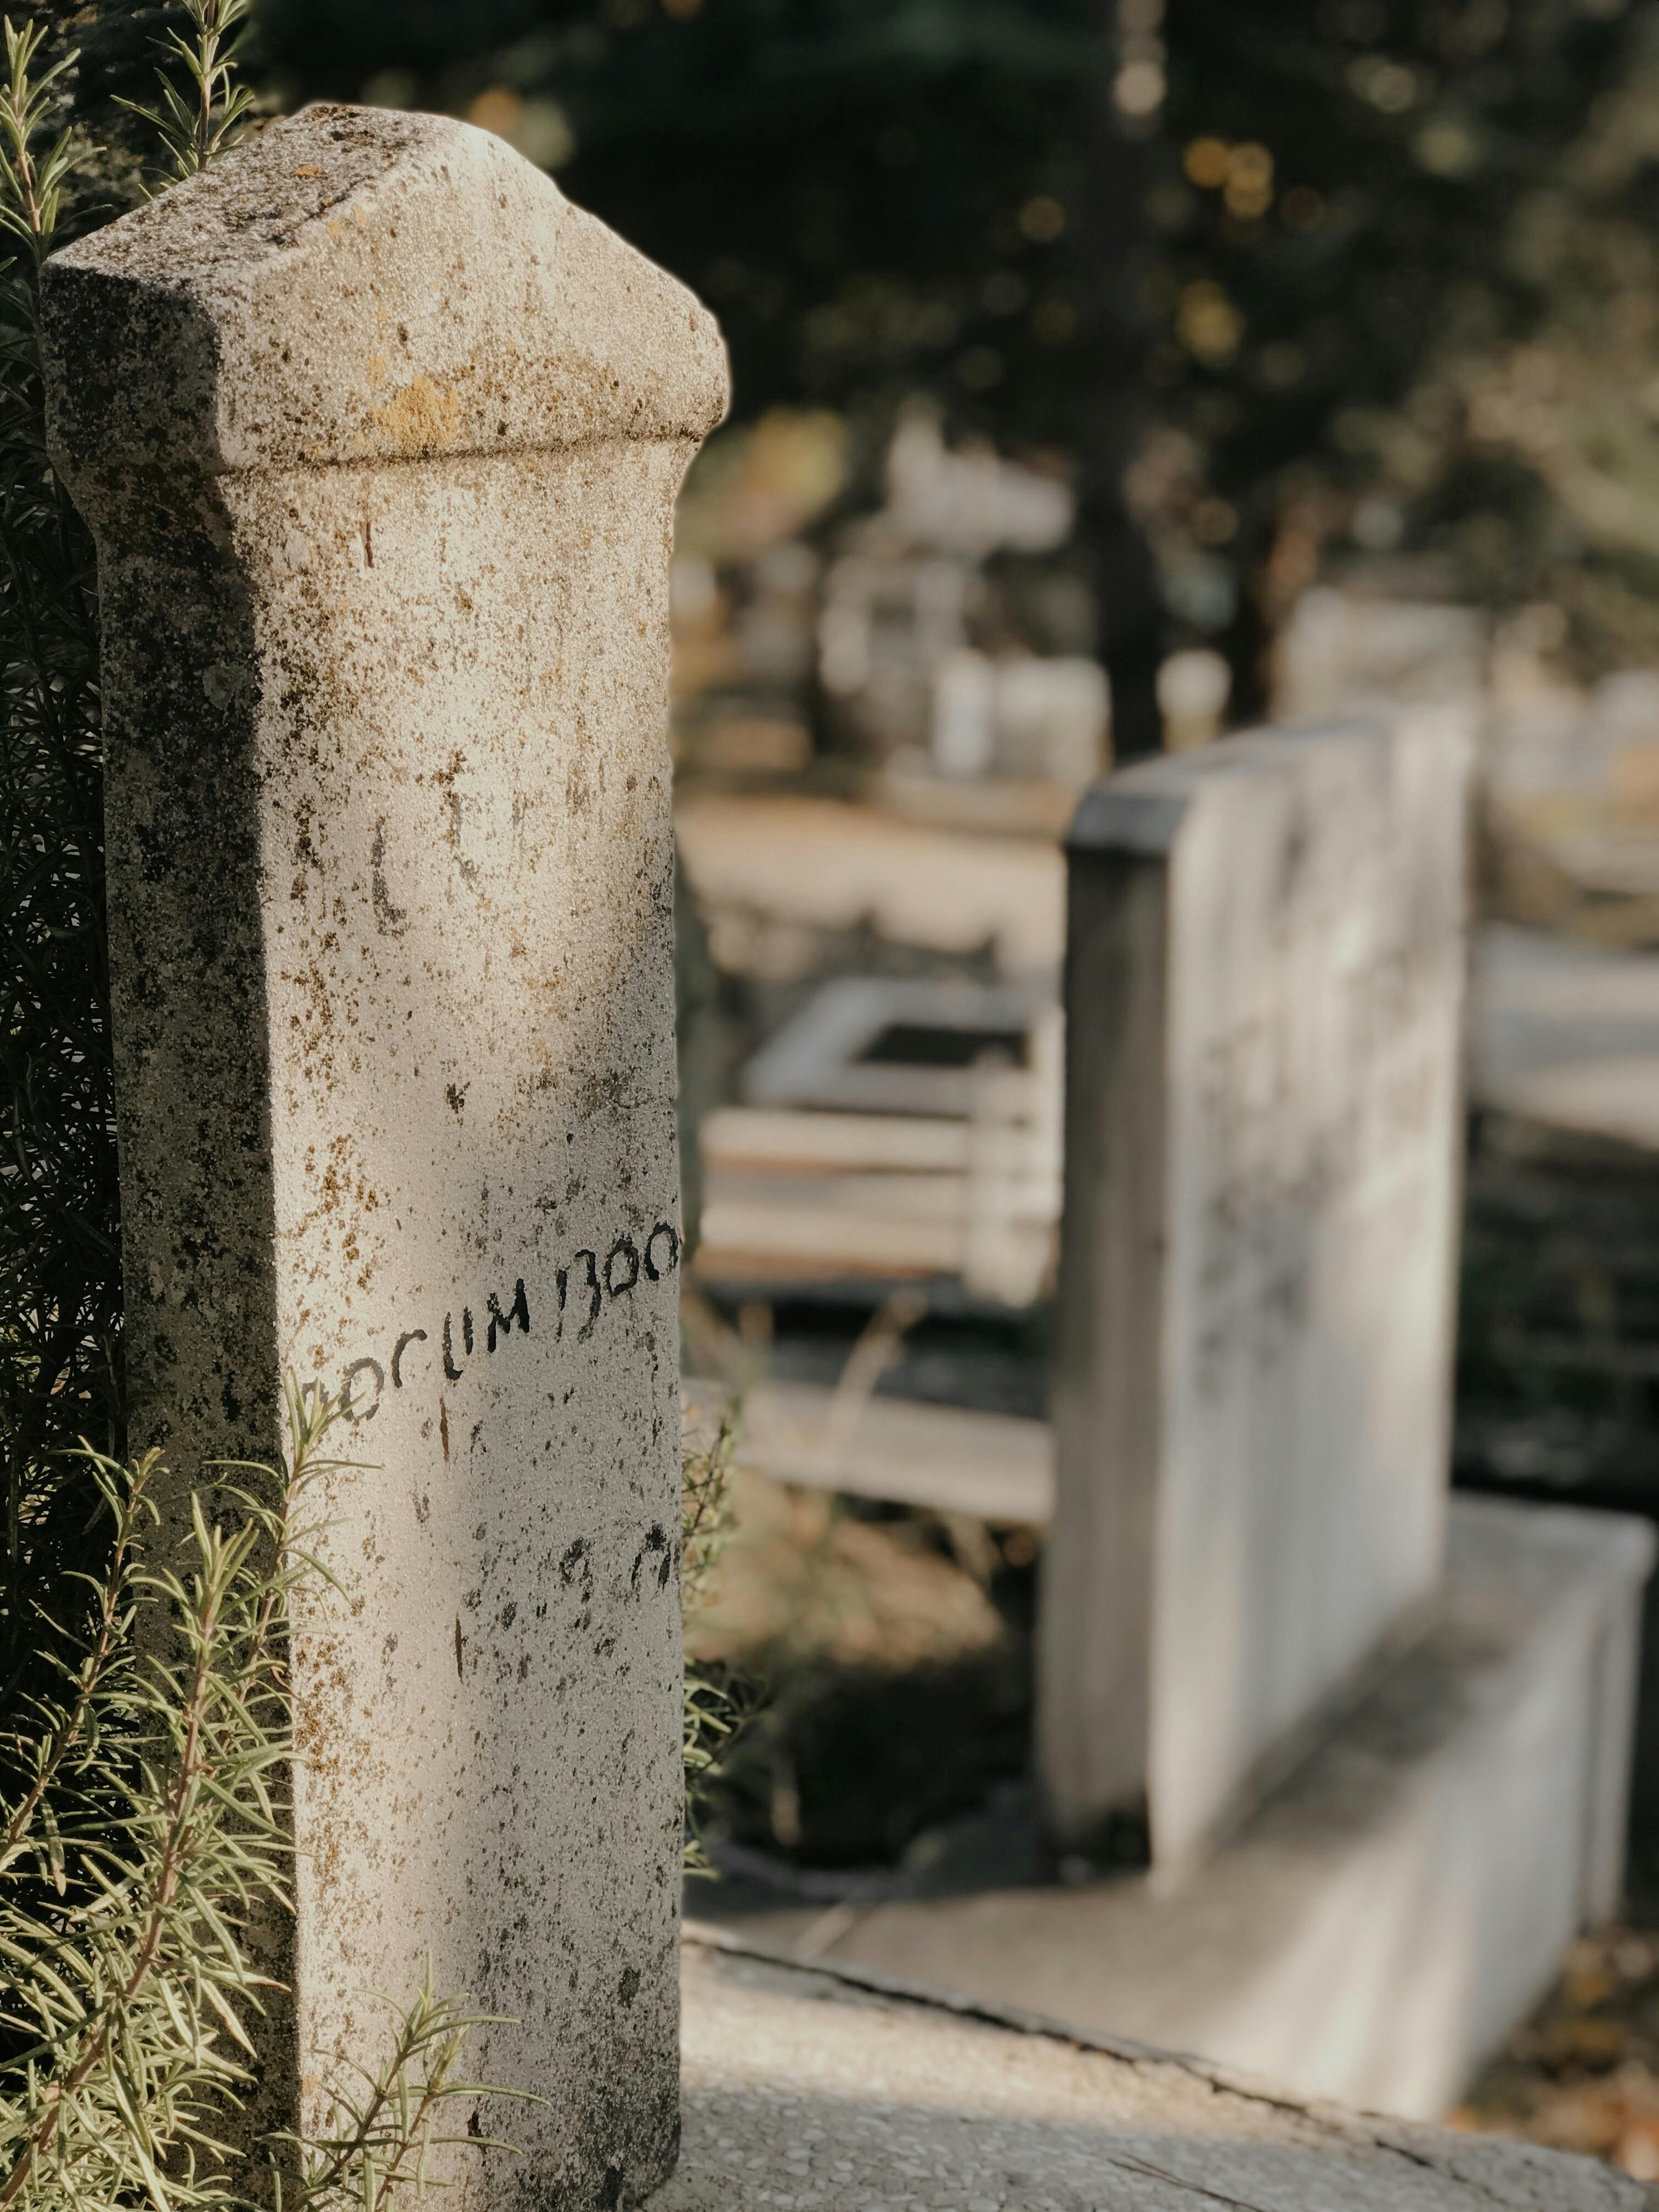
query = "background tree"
x=1392 y=297
x=1404 y=281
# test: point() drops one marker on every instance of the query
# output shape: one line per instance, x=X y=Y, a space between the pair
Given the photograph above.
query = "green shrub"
x=151 y=1828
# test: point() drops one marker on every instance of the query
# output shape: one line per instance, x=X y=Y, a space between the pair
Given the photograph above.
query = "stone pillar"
x=1253 y=1373
x=381 y=438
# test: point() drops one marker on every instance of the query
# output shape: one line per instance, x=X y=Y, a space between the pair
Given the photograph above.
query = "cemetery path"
x=810 y=2086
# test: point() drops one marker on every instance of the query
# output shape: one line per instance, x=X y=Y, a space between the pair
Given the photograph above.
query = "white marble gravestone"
x=380 y=438
x=1265 y=976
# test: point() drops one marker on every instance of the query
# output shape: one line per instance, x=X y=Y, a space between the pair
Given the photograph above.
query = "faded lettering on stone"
x=1292 y=1130
x=581 y=1291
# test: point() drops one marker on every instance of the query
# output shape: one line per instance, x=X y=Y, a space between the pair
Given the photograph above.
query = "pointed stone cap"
x=360 y=285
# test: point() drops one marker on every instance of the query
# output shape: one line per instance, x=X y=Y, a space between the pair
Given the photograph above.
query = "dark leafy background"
x=879 y=195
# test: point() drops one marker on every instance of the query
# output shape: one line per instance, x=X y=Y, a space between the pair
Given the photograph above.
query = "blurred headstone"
x=1253 y=1381
x=380 y=438
x=1193 y=687
x=1022 y=716
x=943 y=664
x=964 y=715
x=1053 y=717
x=1340 y=647
x=968 y=502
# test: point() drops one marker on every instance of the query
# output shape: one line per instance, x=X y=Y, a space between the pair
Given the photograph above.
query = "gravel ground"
x=1582 y=2074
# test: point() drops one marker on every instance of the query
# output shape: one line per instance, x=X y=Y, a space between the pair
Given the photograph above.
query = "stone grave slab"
x=1252 y=1396
x=1378 y=1924
x=380 y=438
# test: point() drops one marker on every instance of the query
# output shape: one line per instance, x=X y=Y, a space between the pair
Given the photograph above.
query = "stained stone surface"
x=809 y=2087
x=1253 y=1381
x=380 y=438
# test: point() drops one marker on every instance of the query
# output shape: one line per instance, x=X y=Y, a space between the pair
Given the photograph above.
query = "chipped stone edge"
x=196 y=281
x=1420 y=2143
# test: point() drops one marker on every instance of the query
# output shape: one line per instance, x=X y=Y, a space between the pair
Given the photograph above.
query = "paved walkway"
x=809 y=2087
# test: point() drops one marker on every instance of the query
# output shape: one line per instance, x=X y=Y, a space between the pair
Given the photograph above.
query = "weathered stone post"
x=381 y=439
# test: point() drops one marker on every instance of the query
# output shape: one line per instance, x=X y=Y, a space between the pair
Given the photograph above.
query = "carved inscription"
x=575 y=1302
x=1309 y=1105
